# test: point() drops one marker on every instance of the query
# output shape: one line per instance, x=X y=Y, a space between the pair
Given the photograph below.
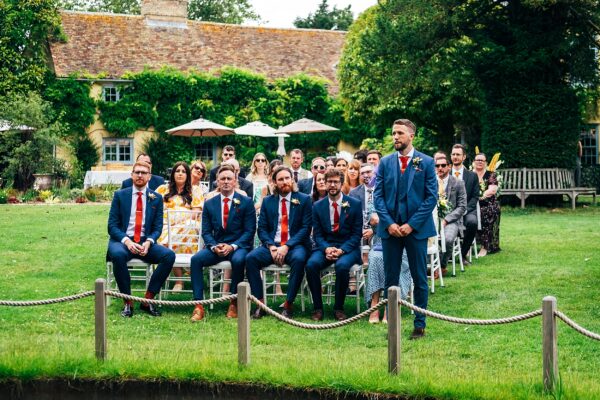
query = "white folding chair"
x=184 y=237
x=357 y=271
x=139 y=271
x=456 y=252
x=434 y=246
x=216 y=280
x=271 y=277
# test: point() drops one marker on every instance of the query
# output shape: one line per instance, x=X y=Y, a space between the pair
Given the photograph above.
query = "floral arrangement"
x=295 y=202
x=444 y=207
x=152 y=196
x=493 y=166
x=236 y=202
x=345 y=204
x=416 y=163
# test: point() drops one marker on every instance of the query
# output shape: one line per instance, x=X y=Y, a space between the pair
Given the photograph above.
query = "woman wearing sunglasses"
x=259 y=176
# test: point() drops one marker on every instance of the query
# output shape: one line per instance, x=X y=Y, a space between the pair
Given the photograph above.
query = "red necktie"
x=404 y=161
x=225 y=212
x=139 y=214
x=336 y=218
x=284 y=223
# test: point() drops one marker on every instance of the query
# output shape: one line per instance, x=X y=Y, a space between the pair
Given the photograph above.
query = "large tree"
x=226 y=11
x=486 y=67
x=338 y=19
x=25 y=28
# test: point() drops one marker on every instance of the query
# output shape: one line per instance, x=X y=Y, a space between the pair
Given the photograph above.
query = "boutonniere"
x=295 y=202
x=152 y=196
x=236 y=202
x=345 y=204
x=417 y=163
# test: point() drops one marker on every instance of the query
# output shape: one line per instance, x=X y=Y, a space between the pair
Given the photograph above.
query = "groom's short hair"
x=408 y=123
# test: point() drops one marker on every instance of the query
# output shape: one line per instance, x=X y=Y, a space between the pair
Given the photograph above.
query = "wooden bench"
x=524 y=182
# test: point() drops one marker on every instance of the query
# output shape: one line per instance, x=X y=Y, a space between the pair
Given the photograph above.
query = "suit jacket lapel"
x=411 y=171
x=291 y=212
x=342 y=212
x=148 y=208
x=127 y=207
x=232 y=208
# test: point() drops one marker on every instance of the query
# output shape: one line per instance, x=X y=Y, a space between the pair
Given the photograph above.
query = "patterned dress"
x=376 y=273
x=176 y=203
x=489 y=235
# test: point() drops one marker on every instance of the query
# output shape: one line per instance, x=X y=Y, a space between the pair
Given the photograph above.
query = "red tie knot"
x=226 y=200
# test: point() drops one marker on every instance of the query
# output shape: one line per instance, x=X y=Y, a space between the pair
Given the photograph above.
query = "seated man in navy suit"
x=134 y=224
x=337 y=230
x=228 y=227
x=284 y=230
x=155 y=180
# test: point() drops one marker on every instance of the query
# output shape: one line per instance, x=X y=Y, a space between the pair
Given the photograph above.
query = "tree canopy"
x=338 y=19
x=491 y=72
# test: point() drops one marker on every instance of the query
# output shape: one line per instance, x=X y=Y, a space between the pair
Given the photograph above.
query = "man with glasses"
x=306 y=185
x=471 y=181
x=227 y=154
x=155 y=180
x=296 y=159
x=135 y=222
x=337 y=230
x=453 y=191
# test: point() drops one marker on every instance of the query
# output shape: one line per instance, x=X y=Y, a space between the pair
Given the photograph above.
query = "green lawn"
x=52 y=251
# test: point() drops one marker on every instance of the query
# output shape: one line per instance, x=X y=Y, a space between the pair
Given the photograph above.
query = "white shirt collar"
x=143 y=190
x=228 y=197
x=410 y=154
x=288 y=197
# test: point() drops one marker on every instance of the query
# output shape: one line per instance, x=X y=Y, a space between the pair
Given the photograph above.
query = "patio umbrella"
x=305 y=125
x=200 y=127
x=6 y=126
x=256 y=128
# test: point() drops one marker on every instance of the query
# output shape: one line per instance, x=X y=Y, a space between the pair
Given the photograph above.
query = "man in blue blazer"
x=155 y=180
x=228 y=227
x=134 y=224
x=337 y=230
x=284 y=228
x=405 y=196
x=306 y=185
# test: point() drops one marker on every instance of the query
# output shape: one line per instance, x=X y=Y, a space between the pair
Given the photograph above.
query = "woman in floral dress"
x=489 y=235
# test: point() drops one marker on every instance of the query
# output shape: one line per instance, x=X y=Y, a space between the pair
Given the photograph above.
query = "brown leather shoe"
x=317 y=315
x=417 y=333
x=288 y=310
x=339 y=315
x=232 y=311
x=444 y=272
x=198 y=314
x=258 y=313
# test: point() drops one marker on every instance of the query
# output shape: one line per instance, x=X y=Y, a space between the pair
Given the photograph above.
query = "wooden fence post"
x=243 y=305
x=394 y=330
x=100 y=314
x=550 y=347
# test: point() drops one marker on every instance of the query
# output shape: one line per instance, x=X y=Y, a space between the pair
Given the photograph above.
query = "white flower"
x=345 y=204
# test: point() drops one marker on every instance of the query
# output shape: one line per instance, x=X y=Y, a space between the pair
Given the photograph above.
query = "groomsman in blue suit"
x=405 y=196
x=284 y=228
x=337 y=230
x=228 y=227
x=134 y=224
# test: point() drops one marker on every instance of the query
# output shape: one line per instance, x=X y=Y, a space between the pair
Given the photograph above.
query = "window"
x=205 y=151
x=111 y=93
x=118 y=150
x=589 y=142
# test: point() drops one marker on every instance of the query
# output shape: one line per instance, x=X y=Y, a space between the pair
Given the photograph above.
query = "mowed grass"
x=53 y=251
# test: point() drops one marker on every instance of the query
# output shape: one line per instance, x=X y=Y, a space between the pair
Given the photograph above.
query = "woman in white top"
x=259 y=176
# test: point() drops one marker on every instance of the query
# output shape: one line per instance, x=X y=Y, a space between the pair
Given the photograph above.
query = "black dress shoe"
x=127 y=311
x=258 y=313
x=417 y=333
x=287 y=313
x=339 y=315
x=317 y=315
x=150 y=309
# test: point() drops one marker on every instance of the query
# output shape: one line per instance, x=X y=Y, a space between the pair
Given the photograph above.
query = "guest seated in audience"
x=373 y=157
x=330 y=163
x=179 y=194
x=341 y=164
x=155 y=180
x=270 y=187
x=259 y=176
x=352 y=178
x=306 y=185
x=227 y=153
x=228 y=227
x=361 y=156
x=489 y=236
x=319 y=190
x=247 y=186
x=284 y=228
x=337 y=230
x=134 y=224
x=376 y=274
x=453 y=191
x=198 y=169
x=296 y=160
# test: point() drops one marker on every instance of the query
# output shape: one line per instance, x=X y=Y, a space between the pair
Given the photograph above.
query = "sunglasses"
x=319 y=167
x=260 y=160
x=198 y=168
x=441 y=165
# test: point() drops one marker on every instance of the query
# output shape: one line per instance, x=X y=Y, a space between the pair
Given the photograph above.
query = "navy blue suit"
x=154 y=182
x=400 y=198
x=305 y=185
x=346 y=238
x=118 y=220
x=241 y=226
x=299 y=226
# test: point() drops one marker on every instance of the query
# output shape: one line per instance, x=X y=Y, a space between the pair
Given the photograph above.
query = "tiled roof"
x=114 y=44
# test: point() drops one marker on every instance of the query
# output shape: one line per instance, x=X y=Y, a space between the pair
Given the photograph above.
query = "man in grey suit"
x=453 y=191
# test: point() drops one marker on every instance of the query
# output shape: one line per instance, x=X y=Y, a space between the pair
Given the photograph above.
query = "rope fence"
x=549 y=313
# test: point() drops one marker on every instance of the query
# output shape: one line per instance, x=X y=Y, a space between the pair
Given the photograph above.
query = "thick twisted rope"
x=47 y=301
x=470 y=321
x=576 y=326
x=303 y=325
x=170 y=302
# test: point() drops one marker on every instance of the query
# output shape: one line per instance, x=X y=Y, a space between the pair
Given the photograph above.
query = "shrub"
x=45 y=195
x=93 y=193
x=3 y=196
x=590 y=176
x=29 y=196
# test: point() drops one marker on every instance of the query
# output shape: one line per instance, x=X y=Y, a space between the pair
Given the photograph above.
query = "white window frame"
x=209 y=148
x=116 y=94
x=120 y=143
x=589 y=140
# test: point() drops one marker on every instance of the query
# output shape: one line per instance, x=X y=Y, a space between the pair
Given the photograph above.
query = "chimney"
x=165 y=13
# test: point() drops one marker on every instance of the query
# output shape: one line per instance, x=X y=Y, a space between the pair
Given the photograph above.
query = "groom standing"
x=405 y=196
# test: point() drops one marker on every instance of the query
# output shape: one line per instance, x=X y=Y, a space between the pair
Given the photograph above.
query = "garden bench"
x=524 y=182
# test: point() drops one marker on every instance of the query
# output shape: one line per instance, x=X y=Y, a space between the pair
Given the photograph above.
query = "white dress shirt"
x=288 y=204
x=339 y=207
x=131 y=226
x=410 y=156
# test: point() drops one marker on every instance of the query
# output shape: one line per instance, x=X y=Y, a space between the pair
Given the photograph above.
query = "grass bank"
x=51 y=251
